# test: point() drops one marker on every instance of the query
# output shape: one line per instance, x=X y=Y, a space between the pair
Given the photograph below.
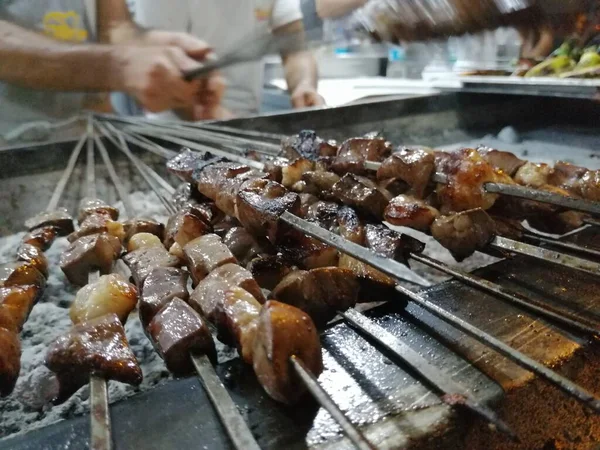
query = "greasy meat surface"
x=143 y=240
x=98 y=223
x=109 y=294
x=7 y=320
x=135 y=226
x=305 y=201
x=505 y=161
x=293 y=171
x=533 y=175
x=90 y=206
x=241 y=244
x=353 y=153
x=144 y=260
x=406 y=211
x=161 y=286
x=97 y=251
x=319 y=292
x=412 y=165
x=95 y=347
x=274 y=168
x=236 y=275
x=567 y=176
x=374 y=286
x=268 y=270
x=590 y=185
x=42 y=237
x=176 y=331
x=524 y=209
x=307 y=144
x=21 y=274
x=319 y=182
x=183 y=227
x=10 y=361
x=361 y=193
x=282 y=332
x=350 y=226
x=390 y=243
x=34 y=256
x=236 y=320
x=259 y=205
x=17 y=301
x=465 y=232
x=204 y=254
x=323 y=213
x=186 y=162
x=59 y=219
x=214 y=177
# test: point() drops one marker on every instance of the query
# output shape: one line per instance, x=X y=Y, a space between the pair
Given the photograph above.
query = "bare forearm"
x=35 y=61
x=300 y=69
x=329 y=9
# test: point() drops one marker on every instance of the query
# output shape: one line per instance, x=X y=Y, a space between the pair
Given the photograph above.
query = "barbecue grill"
x=382 y=395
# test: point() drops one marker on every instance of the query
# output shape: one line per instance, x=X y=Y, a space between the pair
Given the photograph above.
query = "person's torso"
x=66 y=20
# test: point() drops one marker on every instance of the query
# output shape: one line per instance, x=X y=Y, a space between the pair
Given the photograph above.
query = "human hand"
x=305 y=96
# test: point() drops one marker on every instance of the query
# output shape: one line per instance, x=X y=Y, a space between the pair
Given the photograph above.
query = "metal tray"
x=394 y=408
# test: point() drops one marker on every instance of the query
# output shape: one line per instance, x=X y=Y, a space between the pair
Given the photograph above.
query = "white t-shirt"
x=223 y=24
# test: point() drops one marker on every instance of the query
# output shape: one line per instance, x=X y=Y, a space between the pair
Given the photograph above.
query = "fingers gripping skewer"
x=431 y=374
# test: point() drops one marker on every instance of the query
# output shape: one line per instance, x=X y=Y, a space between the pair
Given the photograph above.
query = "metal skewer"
x=560 y=244
x=60 y=186
x=431 y=374
x=390 y=267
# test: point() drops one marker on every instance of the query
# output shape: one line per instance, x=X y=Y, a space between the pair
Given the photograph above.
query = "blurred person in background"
x=55 y=54
x=226 y=23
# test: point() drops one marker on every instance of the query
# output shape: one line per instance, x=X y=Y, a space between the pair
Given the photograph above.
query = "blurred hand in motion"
x=152 y=72
x=305 y=96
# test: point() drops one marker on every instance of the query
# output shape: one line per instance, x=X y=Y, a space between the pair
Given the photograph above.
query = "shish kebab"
x=387 y=266
x=570 y=219
x=243 y=245
x=557 y=315
x=106 y=302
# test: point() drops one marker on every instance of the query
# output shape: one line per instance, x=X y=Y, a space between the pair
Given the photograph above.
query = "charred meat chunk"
x=241 y=244
x=205 y=254
x=533 y=175
x=505 y=161
x=135 y=226
x=350 y=225
x=181 y=228
x=18 y=302
x=323 y=213
x=362 y=194
x=268 y=270
x=176 y=332
x=236 y=319
x=411 y=165
x=21 y=274
x=465 y=232
x=320 y=293
x=87 y=253
x=92 y=206
x=10 y=361
x=293 y=171
x=98 y=223
x=525 y=209
x=560 y=223
x=305 y=201
x=34 y=256
x=187 y=162
x=353 y=153
x=259 y=205
x=59 y=219
x=307 y=144
x=374 y=286
x=390 y=243
x=144 y=260
x=283 y=332
x=109 y=294
x=160 y=287
x=97 y=347
x=467 y=172
x=209 y=293
x=319 y=183
x=41 y=238
x=509 y=228
x=590 y=185
x=406 y=211
x=567 y=176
